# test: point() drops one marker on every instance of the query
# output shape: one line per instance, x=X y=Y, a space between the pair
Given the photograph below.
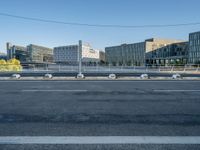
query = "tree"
x=10 y=65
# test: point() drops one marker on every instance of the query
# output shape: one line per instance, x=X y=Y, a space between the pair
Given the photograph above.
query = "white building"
x=89 y=54
x=69 y=54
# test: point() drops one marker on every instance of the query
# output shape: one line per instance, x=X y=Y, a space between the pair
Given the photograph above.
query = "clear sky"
x=123 y=12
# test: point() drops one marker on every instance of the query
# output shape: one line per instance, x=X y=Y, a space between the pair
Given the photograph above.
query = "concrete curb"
x=96 y=78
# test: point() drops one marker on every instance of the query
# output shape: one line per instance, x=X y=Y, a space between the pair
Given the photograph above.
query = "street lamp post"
x=80 y=57
x=80 y=75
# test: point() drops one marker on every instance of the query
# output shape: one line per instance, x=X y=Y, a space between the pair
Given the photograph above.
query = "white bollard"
x=176 y=76
x=112 y=76
x=48 y=76
x=16 y=76
x=144 y=76
x=80 y=76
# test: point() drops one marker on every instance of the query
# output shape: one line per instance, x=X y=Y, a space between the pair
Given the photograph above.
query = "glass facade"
x=30 y=54
x=3 y=56
x=17 y=52
x=194 y=48
x=39 y=54
x=134 y=54
x=176 y=53
x=126 y=54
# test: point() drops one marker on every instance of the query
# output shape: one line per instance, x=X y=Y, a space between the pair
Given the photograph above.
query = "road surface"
x=100 y=115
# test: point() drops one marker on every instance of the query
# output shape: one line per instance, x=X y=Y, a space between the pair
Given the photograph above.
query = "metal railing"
x=104 y=68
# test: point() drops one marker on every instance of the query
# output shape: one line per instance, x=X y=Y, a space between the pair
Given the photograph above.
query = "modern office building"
x=134 y=54
x=40 y=54
x=173 y=54
x=102 y=57
x=194 y=48
x=89 y=55
x=69 y=54
x=18 y=52
x=30 y=54
x=66 y=54
x=3 y=56
x=126 y=54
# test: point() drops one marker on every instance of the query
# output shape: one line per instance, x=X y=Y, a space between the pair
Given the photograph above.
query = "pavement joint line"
x=54 y=90
x=13 y=140
x=57 y=90
x=176 y=90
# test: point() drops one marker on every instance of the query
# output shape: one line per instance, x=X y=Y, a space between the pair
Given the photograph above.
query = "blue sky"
x=123 y=12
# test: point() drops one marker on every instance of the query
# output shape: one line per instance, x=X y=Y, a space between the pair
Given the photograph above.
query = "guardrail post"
x=172 y=69
x=184 y=69
x=85 y=68
x=197 y=69
x=97 y=67
x=72 y=68
x=59 y=68
x=46 y=67
x=146 y=68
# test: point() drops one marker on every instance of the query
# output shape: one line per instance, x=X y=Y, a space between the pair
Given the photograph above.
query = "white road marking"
x=99 y=139
x=176 y=90
x=104 y=81
x=53 y=90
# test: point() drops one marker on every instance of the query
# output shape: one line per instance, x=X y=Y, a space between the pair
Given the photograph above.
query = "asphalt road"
x=100 y=108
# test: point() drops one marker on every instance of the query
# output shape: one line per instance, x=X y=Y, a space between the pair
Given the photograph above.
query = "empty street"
x=120 y=114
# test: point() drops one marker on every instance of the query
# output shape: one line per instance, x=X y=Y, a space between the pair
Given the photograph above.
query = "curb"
x=95 y=78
